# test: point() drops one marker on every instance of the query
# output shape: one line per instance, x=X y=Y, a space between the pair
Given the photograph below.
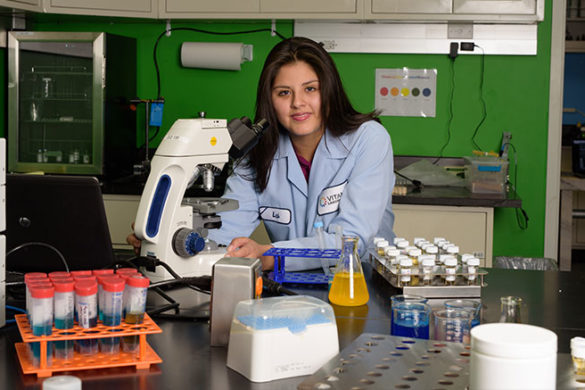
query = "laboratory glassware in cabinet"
x=68 y=110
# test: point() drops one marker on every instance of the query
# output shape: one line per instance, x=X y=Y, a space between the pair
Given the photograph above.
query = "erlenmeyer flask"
x=349 y=285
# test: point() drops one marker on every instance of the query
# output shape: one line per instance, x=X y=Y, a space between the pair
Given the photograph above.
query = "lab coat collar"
x=332 y=146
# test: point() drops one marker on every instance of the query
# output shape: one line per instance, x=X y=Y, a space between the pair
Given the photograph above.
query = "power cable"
x=483 y=104
x=42 y=244
x=203 y=32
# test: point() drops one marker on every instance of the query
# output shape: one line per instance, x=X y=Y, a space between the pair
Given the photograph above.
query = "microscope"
x=173 y=229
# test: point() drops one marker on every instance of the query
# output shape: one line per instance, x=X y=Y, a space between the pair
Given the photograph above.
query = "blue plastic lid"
x=318 y=224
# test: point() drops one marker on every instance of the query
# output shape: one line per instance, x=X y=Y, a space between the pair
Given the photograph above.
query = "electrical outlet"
x=460 y=31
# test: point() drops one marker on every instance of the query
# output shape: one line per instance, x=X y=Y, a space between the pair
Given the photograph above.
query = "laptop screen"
x=63 y=212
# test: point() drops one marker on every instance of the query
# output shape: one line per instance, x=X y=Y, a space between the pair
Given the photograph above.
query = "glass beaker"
x=510 y=309
x=410 y=319
x=349 y=285
x=453 y=325
x=474 y=307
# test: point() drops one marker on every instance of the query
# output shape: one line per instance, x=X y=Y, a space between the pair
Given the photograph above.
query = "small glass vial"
x=578 y=354
x=417 y=241
x=396 y=239
x=414 y=255
x=452 y=250
x=402 y=245
x=428 y=265
x=465 y=257
x=472 y=265
x=431 y=250
x=405 y=270
x=381 y=246
x=450 y=265
x=391 y=259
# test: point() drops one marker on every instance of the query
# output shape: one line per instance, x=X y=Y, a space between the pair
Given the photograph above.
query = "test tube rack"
x=462 y=288
x=279 y=275
x=142 y=360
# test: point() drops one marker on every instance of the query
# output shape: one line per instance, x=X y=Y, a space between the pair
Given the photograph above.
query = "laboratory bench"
x=551 y=299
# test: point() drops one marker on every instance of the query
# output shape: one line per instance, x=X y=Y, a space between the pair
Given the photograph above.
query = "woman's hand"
x=134 y=241
x=246 y=247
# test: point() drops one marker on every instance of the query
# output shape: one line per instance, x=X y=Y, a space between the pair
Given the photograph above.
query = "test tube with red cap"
x=102 y=272
x=59 y=274
x=113 y=289
x=136 y=288
x=100 y=280
x=80 y=272
x=64 y=302
x=29 y=278
x=41 y=318
x=87 y=313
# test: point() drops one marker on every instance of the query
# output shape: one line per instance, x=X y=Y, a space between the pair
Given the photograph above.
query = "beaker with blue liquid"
x=411 y=319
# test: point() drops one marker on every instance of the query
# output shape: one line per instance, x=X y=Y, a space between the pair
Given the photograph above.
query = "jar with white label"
x=472 y=265
x=402 y=245
x=465 y=257
x=512 y=356
x=391 y=255
x=428 y=265
x=405 y=270
x=450 y=266
x=381 y=246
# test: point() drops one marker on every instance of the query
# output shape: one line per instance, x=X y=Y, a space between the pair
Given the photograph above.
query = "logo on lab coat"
x=282 y=216
x=330 y=198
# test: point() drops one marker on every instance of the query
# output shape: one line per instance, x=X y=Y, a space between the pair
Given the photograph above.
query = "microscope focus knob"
x=187 y=243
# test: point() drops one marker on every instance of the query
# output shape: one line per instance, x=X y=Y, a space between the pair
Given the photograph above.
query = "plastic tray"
x=279 y=275
x=141 y=360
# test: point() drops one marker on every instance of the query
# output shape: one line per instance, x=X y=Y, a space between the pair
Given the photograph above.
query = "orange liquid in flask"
x=340 y=290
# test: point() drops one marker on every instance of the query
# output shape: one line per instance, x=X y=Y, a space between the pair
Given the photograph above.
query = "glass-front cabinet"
x=61 y=86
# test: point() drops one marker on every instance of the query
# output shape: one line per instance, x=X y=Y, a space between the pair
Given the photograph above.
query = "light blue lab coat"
x=350 y=185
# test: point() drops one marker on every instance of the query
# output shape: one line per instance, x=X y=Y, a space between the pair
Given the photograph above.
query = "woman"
x=320 y=160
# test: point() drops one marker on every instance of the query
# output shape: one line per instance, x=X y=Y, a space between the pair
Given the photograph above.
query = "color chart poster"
x=406 y=92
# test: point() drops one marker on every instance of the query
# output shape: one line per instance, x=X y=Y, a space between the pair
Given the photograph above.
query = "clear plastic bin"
x=530 y=263
x=486 y=174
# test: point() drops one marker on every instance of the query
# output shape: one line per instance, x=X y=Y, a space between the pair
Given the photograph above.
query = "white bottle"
x=472 y=265
x=381 y=247
x=405 y=270
x=428 y=265
x=450 y=265
x=391 y=255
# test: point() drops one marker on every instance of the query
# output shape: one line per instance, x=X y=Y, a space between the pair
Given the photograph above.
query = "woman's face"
x=297 y=100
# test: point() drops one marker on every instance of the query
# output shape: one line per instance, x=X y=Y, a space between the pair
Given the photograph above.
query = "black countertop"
x=456 y=196
x=552 y=300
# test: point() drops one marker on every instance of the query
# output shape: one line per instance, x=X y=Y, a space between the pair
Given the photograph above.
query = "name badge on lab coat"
x=275 y=215
x=330 y=198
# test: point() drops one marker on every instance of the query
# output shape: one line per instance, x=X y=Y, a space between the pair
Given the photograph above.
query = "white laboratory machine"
x=173 y=229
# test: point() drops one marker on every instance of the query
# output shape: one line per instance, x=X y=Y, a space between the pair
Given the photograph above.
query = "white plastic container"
x=281 y=337
x=513 y=356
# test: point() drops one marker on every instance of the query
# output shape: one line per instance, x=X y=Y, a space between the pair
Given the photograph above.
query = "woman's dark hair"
x=338 y=114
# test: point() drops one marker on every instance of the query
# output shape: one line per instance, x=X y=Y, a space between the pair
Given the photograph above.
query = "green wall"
x=515 y=90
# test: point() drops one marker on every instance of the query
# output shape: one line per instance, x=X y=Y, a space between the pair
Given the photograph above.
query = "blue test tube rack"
x=280 y=276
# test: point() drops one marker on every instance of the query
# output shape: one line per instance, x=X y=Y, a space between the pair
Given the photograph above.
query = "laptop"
x=61 y=212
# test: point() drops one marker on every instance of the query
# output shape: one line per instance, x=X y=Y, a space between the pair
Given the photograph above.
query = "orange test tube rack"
x=142 y=360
